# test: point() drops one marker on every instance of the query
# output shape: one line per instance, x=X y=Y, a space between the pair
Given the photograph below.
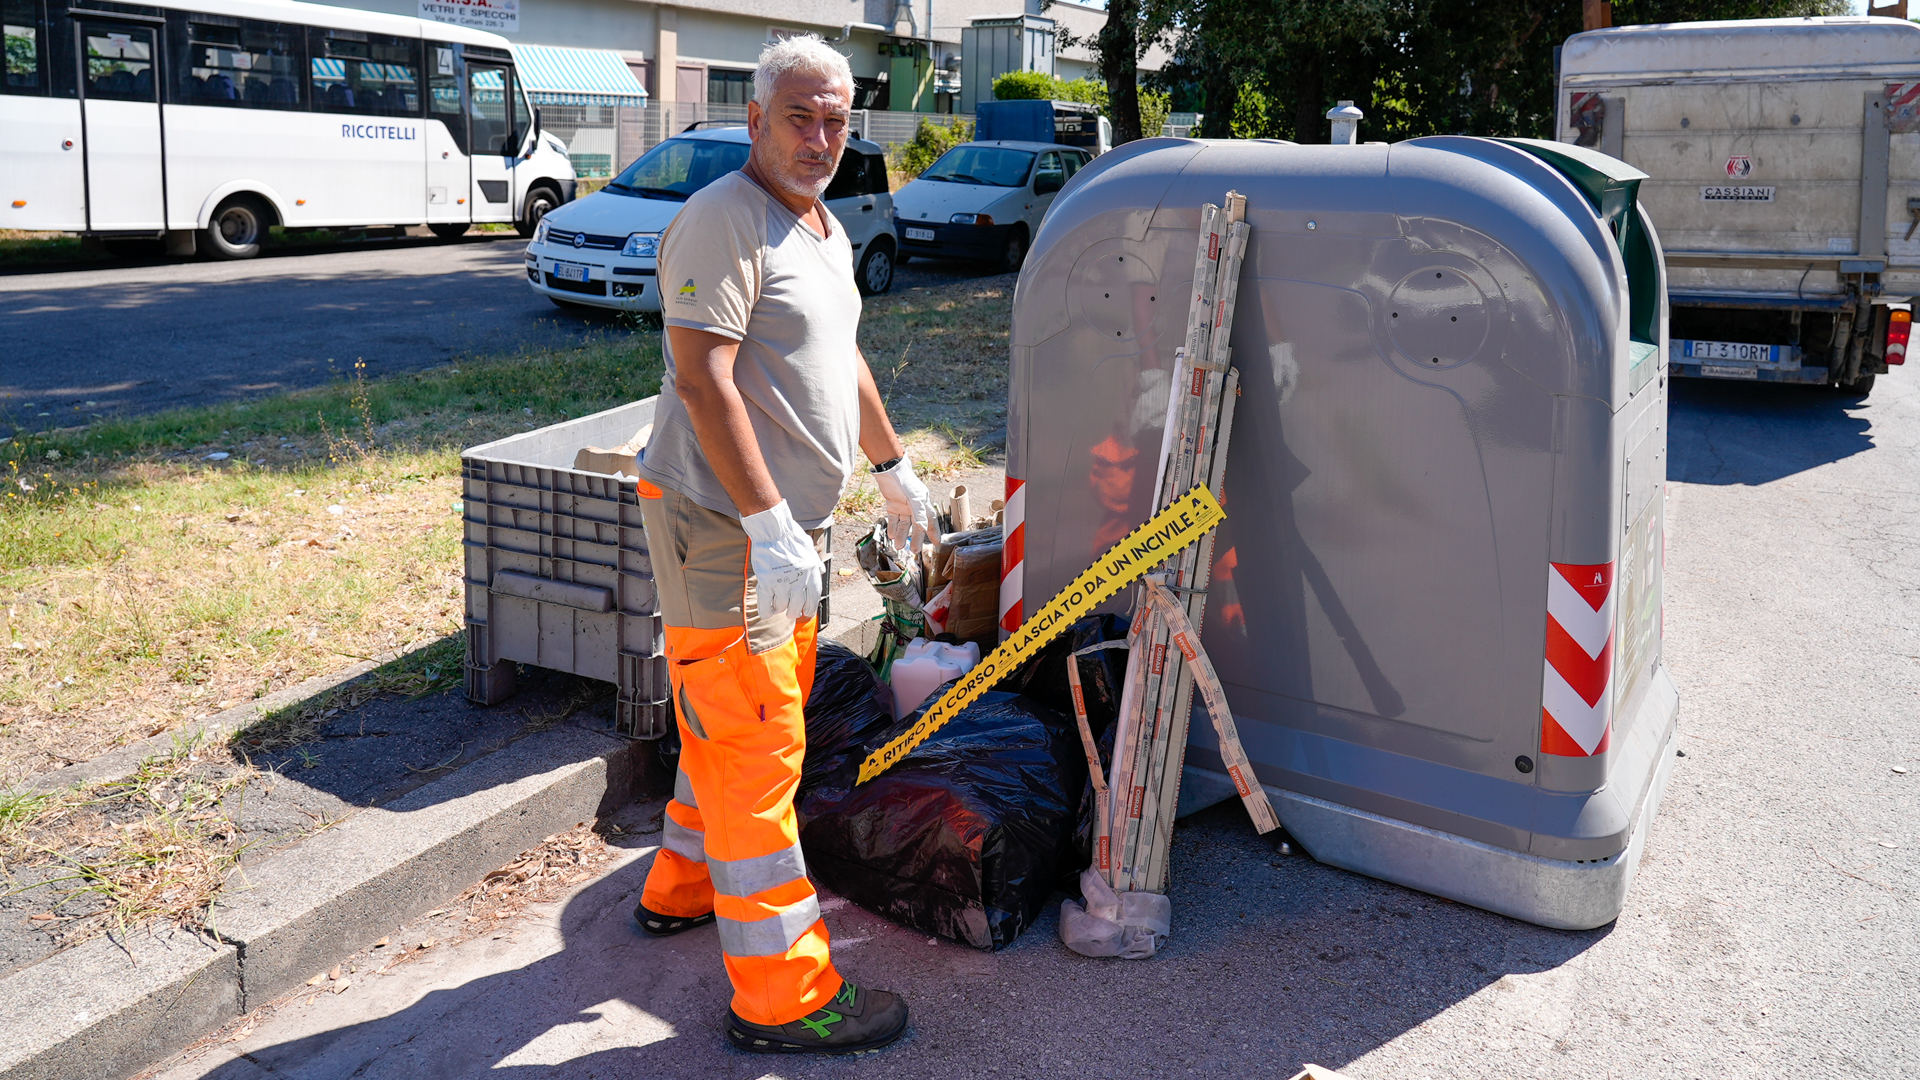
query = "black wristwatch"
x=885 y=465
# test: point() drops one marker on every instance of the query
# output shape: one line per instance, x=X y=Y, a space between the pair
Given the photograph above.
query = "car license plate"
x=920 y=234
x=570 y=271
x=1732 y=350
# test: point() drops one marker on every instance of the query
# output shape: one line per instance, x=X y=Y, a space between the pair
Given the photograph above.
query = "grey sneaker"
x=855 y=1021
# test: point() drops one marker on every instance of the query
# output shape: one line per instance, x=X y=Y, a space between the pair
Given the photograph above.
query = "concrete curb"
x=299 y=912
x=105 y=1009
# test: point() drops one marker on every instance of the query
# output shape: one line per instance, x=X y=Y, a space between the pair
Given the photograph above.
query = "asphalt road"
x=1773 y=929
x=133 y=336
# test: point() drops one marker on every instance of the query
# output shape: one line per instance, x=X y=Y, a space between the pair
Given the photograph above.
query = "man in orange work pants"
x=766 y=401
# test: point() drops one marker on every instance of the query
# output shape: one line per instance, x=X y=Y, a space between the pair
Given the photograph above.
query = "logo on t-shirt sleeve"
x=687 y=293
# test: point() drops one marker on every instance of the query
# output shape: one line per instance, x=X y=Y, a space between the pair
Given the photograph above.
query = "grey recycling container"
x=1436 y=602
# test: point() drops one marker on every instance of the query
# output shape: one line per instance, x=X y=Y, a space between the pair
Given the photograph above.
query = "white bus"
x=210 y=121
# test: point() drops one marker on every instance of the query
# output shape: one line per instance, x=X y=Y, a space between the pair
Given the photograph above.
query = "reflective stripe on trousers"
x=730 y=842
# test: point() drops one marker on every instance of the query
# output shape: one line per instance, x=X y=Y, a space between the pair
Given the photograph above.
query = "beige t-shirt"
x=738 y=263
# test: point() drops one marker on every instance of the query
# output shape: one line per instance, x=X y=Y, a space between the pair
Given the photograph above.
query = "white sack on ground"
x=1129 y=925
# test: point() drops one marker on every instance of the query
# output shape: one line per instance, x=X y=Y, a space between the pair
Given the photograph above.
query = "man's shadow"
x=1292 y=960
x=674 y=989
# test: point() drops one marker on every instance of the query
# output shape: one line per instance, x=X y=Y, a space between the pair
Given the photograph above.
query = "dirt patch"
x=939 y=355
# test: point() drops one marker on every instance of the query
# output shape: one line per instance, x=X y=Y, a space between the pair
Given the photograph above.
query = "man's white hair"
x=804 y=53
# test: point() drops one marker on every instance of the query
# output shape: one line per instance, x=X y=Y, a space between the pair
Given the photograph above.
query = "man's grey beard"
x=784 y=177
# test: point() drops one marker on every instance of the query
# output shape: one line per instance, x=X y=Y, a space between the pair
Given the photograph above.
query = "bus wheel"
x=236 y=230
x=449 y=230
x=539 y=201
x=1858 y=388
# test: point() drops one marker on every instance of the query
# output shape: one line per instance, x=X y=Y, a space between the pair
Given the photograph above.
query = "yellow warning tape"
x=1184 y=521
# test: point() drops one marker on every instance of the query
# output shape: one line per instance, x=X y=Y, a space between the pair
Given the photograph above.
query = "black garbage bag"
x=1102 y=674
x=965 y=836
x=846 y=709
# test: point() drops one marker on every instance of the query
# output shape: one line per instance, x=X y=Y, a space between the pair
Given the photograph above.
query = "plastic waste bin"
x=1436 y=604
x=557 y=570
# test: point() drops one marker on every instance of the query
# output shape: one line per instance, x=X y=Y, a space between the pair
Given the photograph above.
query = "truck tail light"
x=1899 y=328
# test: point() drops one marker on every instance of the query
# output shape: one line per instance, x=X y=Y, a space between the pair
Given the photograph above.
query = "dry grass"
x=144 y=586
x=209 y=587
x=159 y=844
x=416 y=674
x=939 y=354
x=939 y=357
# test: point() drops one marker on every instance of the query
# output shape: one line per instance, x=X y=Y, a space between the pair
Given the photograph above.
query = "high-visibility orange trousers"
x=731 y=843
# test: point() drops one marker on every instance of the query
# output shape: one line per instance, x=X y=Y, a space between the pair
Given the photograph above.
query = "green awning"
x=558 y=76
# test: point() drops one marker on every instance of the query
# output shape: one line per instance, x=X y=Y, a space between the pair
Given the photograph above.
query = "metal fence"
x=591 y=133
x=1180 y=125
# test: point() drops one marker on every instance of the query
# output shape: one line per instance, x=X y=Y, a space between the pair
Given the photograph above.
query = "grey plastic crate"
x=557 y=570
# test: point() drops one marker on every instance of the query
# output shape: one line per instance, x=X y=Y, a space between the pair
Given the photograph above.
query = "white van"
x=602 y=251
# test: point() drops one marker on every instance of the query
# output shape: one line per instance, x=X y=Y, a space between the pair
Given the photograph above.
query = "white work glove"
x=910 y=515
x=785 y=563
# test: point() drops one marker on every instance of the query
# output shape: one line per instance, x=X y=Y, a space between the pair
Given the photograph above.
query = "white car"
x=983 y=200
x=601 y=250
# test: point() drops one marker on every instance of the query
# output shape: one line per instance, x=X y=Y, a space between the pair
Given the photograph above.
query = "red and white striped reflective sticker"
x=1576 y=698
x=1013 y=556
x=1903 y=107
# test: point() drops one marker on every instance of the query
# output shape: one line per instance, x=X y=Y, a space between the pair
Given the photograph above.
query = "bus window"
x=491 y=108
x=241 y=62
x=522 y=116
x=443 y=90
x=20 y=23
x=120 y=63
x=372 y=74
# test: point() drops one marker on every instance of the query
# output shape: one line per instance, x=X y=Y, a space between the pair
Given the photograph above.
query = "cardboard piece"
x=615 y=462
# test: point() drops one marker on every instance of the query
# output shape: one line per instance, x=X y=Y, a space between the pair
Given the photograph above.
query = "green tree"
x=20 y=55
x=1416 y=67
x=929 y=141
x=1155 y=105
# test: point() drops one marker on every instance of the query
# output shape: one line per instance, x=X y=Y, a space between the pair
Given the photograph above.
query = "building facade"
x=906 y=55
x=695 y=62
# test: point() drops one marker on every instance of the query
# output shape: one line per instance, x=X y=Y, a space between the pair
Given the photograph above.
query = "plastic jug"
x=924 y=668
